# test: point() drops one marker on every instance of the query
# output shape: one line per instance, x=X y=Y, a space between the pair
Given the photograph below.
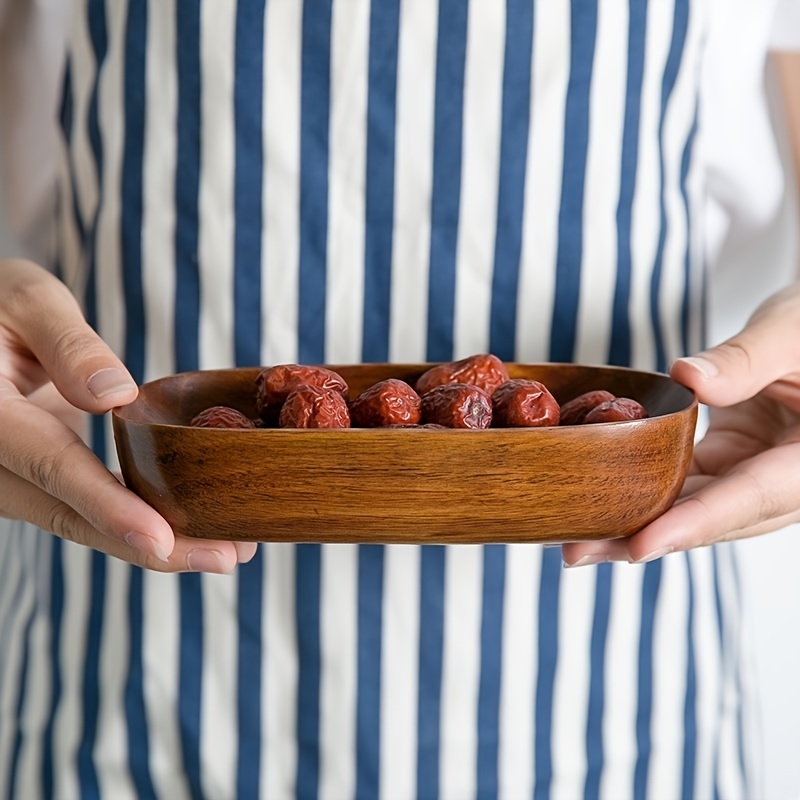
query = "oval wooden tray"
x=406 y=485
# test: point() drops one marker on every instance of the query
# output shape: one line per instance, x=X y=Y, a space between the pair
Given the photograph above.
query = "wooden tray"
x=420 y=486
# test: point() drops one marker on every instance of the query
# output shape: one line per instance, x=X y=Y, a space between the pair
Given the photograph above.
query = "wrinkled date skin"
x=428 y=426
x=487 y=372
x=457 y=405
x=574 y=412
x=619 y=409
x=524 y=404
x=314 y=407
x=389 y=402
x=275 y=384
x=221 y=417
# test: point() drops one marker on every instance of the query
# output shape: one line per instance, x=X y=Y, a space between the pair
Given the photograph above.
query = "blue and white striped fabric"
x=264 y=182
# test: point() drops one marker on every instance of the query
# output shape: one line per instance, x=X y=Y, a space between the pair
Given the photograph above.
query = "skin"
x=745 y=477
x=50 y=361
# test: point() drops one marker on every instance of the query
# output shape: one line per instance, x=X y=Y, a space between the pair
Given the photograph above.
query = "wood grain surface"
x=406 y=485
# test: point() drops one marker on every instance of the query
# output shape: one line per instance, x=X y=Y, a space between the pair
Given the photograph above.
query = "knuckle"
x=48 y=470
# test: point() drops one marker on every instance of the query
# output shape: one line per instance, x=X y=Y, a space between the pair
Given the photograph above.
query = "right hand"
x=47 y=474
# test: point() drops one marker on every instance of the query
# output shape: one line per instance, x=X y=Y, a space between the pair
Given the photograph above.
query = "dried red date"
x=314 y=407
x=221 y=417
x=275 y=384
x=574 y=411
x=389 y=402
x=487 y=372
x=617 y=410
x=457 y=405
x=524 y=404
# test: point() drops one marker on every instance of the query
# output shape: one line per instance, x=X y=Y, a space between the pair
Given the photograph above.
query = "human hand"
x=47 y=474
x=745 y=475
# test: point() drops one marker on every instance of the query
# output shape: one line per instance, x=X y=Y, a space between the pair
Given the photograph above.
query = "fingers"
x=766 y=351
x=52 y=457
x=762 y=495
x=21 y=499
x=46 y=318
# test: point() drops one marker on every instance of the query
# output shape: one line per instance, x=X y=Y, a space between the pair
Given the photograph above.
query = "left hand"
x=744 y=479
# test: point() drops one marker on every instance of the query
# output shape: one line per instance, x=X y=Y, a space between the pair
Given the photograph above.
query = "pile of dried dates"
x=475 y=393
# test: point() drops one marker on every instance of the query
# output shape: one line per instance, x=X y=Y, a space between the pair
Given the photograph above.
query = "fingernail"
x=245 y=551
x=109 y=381
x=199 y=560
x=586 y=561
x=660 y=553
x=147 y=544
x=704 y=365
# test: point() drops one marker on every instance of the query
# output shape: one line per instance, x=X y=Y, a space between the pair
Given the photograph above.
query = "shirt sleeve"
x=785 y=27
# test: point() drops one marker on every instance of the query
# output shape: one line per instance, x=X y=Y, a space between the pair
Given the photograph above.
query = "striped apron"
x=268 y=181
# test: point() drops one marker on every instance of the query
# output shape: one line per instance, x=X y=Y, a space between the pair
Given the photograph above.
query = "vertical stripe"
x=576 y=142
x=38 y=701
x=601 y=187
x=690 y=295
x=480 y=166
x=431 y=642
x=380 y=176
x=218 y=706
x=56 y=611
x=248 y=103
x=90 y=688
x=307 y=604
x=283 y=37
x=544 y=171
x=9 y=681
x=547 y=654
x=680 y=24
x=571 y=683
x=191 y=649
x=339 y=679
x=446 y=191
x=132 y=187
x=720 y=631
x=77 y=562
x=249 y=690
x=620 y=346
x=279 y=704
x=22 y=691
x=460 y=673
x=162 y=644
x=645 y=217
x=650 y=589
x=413 y=175
x=511 y=182
x=491 y=668
x=689 y=706
x=132 y=199
x=368 y=707
x=187 y=190
x=346 y=168
x=595 y=752
x=400 y=625
x=159 y=251
x=314 y=140
x=670 y=668
x=518 y=664
x=138 y=733
x=187 y=356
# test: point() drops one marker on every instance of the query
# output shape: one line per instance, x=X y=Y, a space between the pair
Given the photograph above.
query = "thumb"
x=767 y=350
x=46 y=319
